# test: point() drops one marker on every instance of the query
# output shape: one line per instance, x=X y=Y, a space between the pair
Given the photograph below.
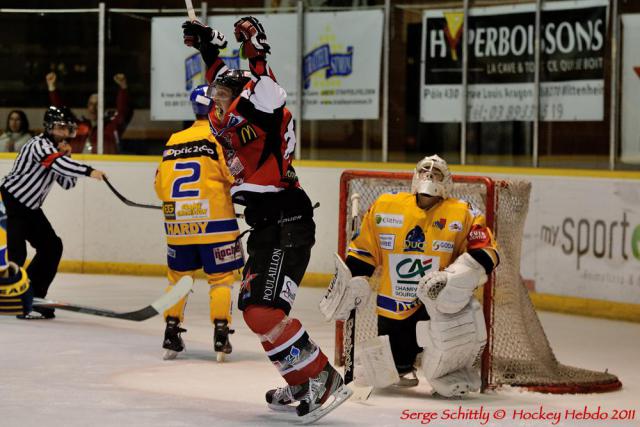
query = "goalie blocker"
x=344 y=293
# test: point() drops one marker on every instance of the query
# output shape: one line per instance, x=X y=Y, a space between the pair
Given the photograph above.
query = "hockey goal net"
x=517 y=351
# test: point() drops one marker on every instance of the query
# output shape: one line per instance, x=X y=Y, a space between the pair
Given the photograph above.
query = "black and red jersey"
x=257 y=133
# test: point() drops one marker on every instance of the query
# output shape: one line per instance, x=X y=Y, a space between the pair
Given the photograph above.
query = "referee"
x=45 y=158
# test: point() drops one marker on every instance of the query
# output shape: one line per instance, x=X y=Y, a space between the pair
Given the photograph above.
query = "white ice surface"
x=80 y=370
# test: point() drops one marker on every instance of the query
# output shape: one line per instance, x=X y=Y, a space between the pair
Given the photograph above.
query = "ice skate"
x=282 y=399
x=173 y=343
x=407 y=380
x=324 y=393
x=35 y=315
x=221 y=343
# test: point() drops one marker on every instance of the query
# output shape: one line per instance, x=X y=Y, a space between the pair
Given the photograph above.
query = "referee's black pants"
x=29 y=225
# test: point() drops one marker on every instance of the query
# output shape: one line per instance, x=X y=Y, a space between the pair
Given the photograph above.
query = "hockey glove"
x=196 y=34
x=250 y=33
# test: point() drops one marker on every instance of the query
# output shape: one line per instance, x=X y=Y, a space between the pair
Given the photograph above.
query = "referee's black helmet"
x=59 y=116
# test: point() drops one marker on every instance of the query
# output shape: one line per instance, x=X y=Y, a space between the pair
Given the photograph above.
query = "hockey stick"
x=166 y=301
x=127 y=201
x=359 y=392
x=190 y=11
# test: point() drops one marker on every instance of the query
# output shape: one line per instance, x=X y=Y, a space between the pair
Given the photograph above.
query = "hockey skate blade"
x=169 y=355
x=220 y=357
x=282 y=408
x=340 y=396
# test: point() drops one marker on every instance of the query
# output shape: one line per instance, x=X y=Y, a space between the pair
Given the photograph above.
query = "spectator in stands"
x=16 y=133
x=115 y=122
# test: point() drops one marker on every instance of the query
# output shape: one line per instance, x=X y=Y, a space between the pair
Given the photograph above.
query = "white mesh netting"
x=518 y=352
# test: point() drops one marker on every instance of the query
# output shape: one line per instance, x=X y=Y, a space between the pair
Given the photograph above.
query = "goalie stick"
x=166 y=301
x=127 y=201
x=359 y=392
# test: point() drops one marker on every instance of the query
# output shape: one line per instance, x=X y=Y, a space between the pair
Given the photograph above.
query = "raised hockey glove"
x=196 y=34
x=250 y=33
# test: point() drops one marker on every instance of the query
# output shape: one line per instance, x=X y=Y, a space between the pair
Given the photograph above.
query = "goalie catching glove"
x=344 y=293
x=452 y=288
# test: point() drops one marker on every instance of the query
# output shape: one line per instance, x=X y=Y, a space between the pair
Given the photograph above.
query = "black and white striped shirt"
x=38 y=164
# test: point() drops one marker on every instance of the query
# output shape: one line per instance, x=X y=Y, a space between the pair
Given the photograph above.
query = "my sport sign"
x=501 y=49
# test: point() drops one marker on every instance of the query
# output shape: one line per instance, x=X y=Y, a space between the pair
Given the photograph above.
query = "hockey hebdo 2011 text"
x=484 y=415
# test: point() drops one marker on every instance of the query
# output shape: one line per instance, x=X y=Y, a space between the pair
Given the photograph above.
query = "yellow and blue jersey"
x=4 y=259
x=193 y=182
x=407 y=243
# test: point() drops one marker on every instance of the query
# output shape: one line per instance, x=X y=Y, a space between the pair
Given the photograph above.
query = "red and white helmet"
x=432 y=177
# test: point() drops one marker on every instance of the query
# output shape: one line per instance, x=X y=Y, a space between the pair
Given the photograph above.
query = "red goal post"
x=517 y=351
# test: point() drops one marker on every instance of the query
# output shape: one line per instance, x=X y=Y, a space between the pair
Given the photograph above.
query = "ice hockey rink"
x=81 y=370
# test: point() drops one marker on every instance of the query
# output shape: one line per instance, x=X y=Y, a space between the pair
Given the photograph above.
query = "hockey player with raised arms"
x=193 y=183
x=433 y=251
x=257 y=133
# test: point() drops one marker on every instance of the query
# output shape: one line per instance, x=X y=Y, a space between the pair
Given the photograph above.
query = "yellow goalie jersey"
x=193 y=183
x=407 y=243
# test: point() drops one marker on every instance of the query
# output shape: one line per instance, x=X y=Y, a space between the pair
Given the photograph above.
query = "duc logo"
x=414 y=242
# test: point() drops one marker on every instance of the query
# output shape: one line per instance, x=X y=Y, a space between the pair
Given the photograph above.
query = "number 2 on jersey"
x=176 y=191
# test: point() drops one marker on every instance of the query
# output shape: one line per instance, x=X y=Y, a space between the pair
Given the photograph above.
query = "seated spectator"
x=17 y=133
x=115 y=123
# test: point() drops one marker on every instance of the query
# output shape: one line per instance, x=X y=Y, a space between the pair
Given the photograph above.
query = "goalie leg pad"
x=344 y=293
x=451 y=341
x=457 y=383
x=377 y=365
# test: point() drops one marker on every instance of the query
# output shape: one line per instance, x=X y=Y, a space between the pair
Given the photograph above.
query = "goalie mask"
x=432 y=177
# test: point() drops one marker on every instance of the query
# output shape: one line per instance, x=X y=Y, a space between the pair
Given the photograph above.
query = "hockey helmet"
x=232 y=79
x=200 y=101
x=432 y=177
x=61 y=116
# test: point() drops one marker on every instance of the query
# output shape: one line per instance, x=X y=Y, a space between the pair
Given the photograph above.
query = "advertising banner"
x=630 y=72
x=582 y=238
x=341 y=64
x=501 y=63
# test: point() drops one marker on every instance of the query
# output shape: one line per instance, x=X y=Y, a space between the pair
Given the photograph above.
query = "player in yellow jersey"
x=433 y=251
x=16 y=296
x=202 y=232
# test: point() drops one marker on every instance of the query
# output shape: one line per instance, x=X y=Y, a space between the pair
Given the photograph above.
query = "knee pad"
x=265 y=321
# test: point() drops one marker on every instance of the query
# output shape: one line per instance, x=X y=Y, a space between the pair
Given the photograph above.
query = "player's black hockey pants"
x=402 y=337
x=29 y=225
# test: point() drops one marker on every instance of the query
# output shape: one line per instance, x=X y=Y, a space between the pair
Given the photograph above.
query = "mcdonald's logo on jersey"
x=247 y=134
